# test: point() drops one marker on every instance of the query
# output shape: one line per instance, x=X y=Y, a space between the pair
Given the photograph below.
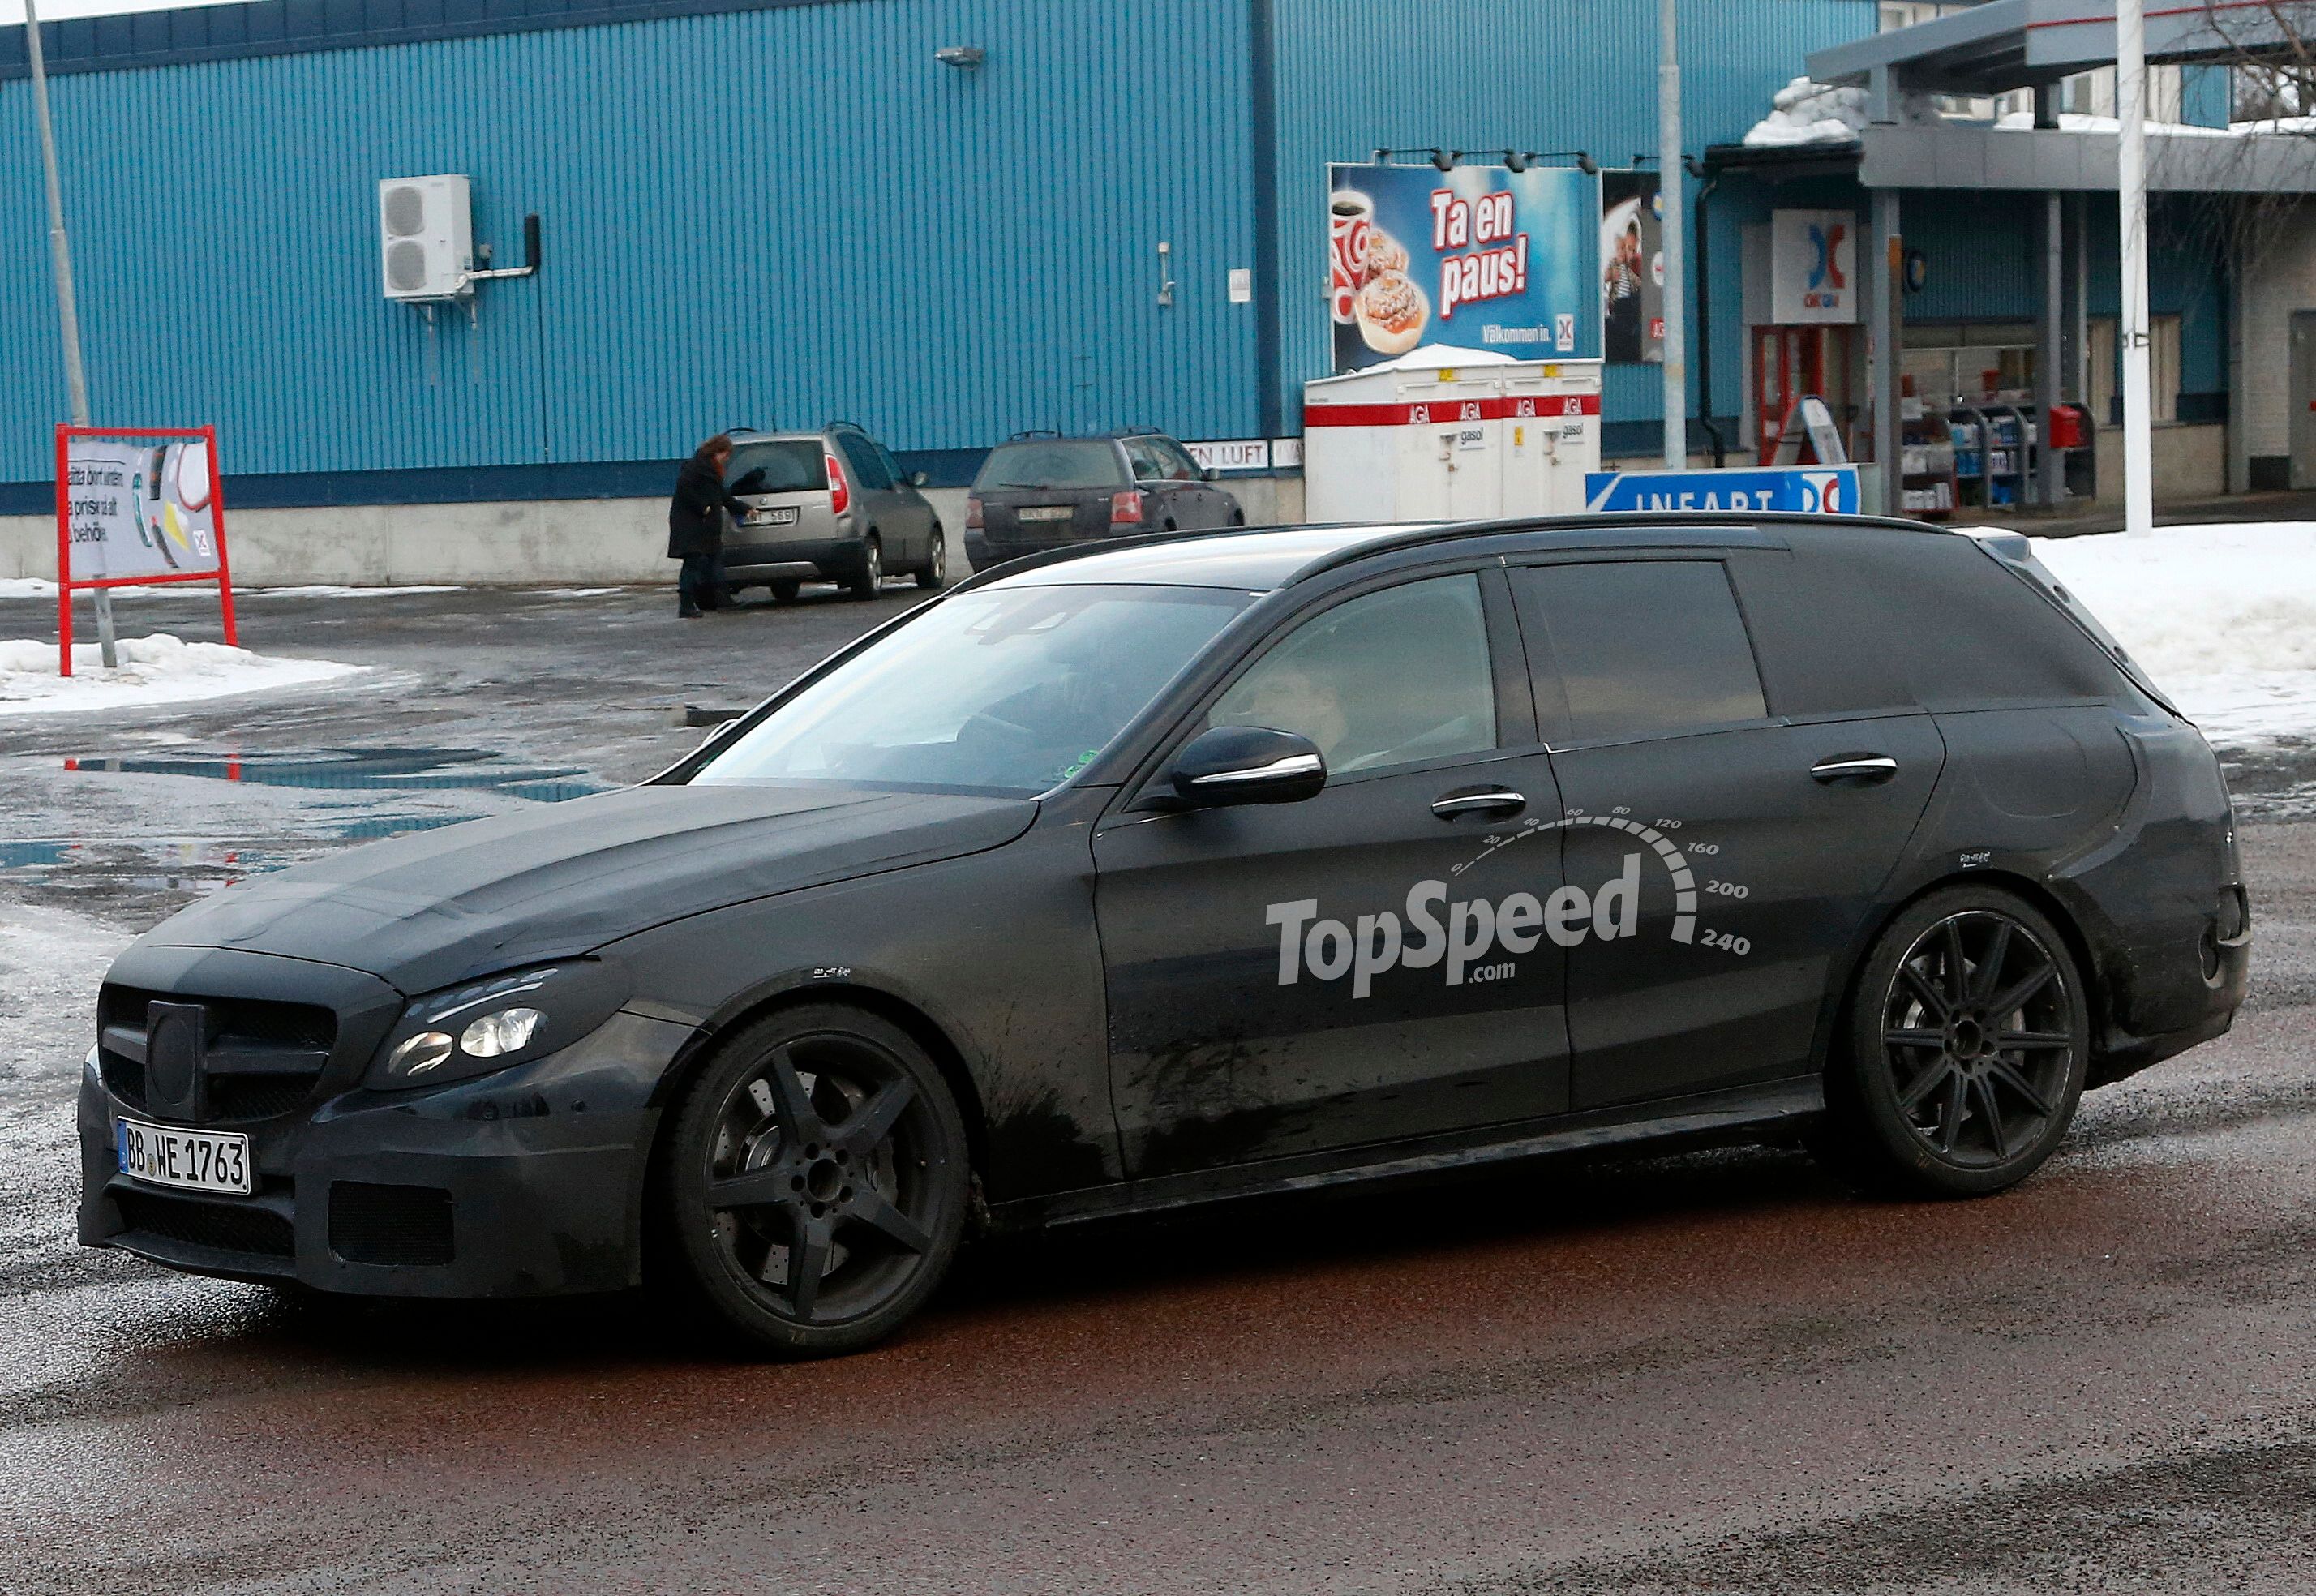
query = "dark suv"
x=1039 y=491
x=828 y=505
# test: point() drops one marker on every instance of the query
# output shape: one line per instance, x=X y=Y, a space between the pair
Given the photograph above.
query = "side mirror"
x=1209 y=474
x=918 y=479
x=1248 y=764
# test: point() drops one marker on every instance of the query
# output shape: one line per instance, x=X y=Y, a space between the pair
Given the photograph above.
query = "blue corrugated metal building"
x=775 y=212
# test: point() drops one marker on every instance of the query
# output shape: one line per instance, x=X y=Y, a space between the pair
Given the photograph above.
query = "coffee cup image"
x=1392 y=312
x=1351 y=223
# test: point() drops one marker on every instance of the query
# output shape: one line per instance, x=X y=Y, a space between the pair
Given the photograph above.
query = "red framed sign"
x=137 y=507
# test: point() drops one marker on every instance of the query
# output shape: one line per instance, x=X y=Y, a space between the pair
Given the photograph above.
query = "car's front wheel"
x=1965 y=1046
x=815 y=1180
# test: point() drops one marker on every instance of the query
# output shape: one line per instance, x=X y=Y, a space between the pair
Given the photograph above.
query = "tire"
x=785 y=590
x=1238 y=518
x=815 y=1181
x=871 y=579
x=934 y=572
x=1923 y=1096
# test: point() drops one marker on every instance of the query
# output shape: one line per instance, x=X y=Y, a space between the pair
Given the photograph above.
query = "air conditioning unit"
x=426 y=244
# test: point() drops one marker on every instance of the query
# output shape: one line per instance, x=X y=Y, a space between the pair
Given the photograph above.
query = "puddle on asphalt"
x=367 y=778
x=363 y=770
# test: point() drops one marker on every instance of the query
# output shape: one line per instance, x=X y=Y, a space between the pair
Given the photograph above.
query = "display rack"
x=1926 y=463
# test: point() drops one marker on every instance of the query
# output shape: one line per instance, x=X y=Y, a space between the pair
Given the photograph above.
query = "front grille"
x=239 y=1081
x=225 y=1227
x=398 y=1225
x=123 y=1077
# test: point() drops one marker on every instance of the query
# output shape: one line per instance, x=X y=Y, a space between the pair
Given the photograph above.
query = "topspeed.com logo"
x=1460 y=935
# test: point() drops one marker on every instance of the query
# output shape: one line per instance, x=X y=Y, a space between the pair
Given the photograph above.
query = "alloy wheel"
x=817 y=1187
x=1978 y=1035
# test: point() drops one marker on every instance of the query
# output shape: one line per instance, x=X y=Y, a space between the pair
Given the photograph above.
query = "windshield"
x=1060 y=464
x=1009 y=689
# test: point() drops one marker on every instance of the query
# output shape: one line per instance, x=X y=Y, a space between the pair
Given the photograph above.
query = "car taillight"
x=1125 y=506
x=839 y=491
x=971 y=511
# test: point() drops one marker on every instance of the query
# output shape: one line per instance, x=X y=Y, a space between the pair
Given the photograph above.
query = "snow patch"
x=2223 y=618
x=160 y=669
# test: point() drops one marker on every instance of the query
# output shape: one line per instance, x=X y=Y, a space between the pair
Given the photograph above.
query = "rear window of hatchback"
x=791 y=466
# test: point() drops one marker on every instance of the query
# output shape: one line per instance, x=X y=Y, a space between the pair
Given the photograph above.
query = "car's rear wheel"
x=785 y=590
x=815 y=1180
x=871 y=579
x=1964 y=1052
x=934 y=572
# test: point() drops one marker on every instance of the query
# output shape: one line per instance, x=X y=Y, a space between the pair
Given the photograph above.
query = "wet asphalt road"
x=1711 y=1372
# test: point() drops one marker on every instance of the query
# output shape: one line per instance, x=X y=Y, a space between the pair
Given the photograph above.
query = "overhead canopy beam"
x=2002 y=45
x=1975 y=156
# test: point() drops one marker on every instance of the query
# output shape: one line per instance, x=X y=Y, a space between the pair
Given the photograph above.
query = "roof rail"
x=1027 y=433
x=1445 y=531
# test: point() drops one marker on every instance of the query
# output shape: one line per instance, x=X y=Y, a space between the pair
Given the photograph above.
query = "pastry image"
x=1386 y=253
x=1392 y=312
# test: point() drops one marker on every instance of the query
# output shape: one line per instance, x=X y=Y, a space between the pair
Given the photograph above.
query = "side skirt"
x=1706 y=1114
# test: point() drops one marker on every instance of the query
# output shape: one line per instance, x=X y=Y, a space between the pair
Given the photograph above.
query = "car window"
x=1386 y=679
x=1642 y=648
x=1061 y=462
x=1175 y=460
x=1143 y=461
x=790 y=466
x=892 y=466
x=861 y=455
x=1009 y=690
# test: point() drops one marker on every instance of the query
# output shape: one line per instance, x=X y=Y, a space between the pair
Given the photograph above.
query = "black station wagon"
x=1179 y=868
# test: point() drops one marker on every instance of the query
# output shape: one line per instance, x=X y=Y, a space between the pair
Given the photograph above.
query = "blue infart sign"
x=1808 y=490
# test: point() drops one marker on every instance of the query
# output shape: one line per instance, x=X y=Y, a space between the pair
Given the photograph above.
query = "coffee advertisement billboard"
x=1480 y=258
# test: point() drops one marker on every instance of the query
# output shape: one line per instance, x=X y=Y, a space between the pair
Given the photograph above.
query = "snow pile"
x=2223 y=618
x=40 y=587
x=160 y=669
x=1808 y=113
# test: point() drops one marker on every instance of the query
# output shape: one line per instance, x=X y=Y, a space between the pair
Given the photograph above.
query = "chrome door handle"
x=1501 y=800
x=1861 y=768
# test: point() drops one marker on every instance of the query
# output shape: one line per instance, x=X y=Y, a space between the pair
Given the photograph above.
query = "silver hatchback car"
x=829 y=506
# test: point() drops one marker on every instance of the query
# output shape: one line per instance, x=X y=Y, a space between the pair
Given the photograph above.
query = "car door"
x=909 y=506
x=1369 y=964
x=1753 y=842
x=878 y=505
x=1204 y=505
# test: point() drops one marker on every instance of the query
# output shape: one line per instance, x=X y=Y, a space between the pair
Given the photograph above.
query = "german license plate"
x=196 y=1160
x=779 y=515
x=1048 y=512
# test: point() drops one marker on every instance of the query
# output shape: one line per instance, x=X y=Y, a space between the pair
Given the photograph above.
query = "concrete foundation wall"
x=567 y=541
x=2189 y=462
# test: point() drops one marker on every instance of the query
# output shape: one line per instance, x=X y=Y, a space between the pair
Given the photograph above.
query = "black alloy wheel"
x=870 y=581
x=1969 y=1037
x=816 y=1179
x=934 y=572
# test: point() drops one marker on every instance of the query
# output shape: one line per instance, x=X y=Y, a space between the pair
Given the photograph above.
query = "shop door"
x=2304 y=399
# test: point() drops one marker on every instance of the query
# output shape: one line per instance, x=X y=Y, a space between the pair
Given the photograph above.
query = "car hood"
x=424 y=911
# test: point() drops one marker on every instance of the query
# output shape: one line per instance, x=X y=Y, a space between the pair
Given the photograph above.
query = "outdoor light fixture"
x=963 y=56
x=1520 y=160
x=1445 y=159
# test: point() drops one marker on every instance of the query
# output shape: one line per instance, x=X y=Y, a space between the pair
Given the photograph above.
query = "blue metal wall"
x=1356 y=75
x=767 y=215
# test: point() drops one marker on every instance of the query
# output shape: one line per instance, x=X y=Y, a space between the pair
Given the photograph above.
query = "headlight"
x=489 y=1025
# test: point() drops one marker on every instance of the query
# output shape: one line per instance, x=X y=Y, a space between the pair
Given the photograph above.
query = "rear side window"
x=1965 y=632
x=1815 y=631
x=861 y=456
x=1060 y=463
x=793 y=466
x=1636 y=648
x=1390 y=678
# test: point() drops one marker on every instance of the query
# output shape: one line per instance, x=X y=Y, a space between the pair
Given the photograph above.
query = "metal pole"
x=2130 y=195
x=1675 y=298
x=60 y=261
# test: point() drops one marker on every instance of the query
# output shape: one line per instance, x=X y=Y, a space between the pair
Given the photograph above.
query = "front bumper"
x=526 y=1182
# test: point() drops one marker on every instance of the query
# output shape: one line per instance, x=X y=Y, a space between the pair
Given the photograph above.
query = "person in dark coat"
x=695 y=527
